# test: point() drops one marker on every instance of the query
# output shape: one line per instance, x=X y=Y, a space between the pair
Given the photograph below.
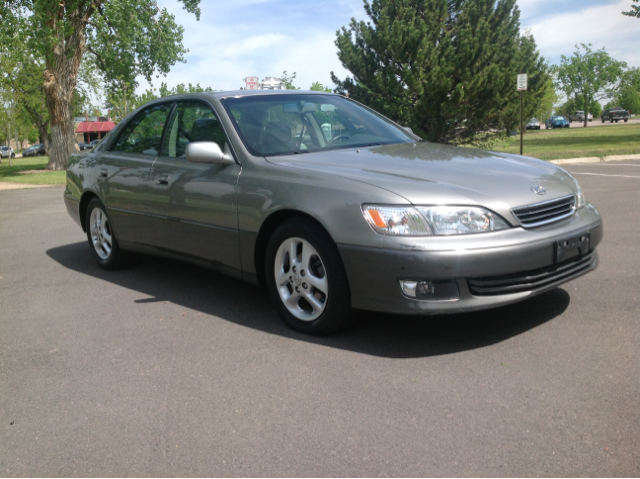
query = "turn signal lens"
x=397 y=221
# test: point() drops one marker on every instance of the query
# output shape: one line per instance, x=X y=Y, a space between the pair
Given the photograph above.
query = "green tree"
x=540 y=94
x=125 y=37
x=628 y=96
x=588 y=76
x=547 y=102
x=445 y=68
x=124 y=101
x=577 y=104
x=317 y=86
x=288 y=80
x=634 y=12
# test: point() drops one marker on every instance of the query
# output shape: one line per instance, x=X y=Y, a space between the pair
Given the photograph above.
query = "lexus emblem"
x=538 y=190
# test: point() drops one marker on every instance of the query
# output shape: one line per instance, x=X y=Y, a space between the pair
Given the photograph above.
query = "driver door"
x=195 y=205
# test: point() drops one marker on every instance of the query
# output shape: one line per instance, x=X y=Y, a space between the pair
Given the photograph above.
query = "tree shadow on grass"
x=377 y=334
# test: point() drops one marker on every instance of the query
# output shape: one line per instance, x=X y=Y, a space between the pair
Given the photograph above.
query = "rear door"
x=123 y=174
x=195 y=205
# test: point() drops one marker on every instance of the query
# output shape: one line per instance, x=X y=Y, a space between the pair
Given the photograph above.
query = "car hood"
x=430 y=174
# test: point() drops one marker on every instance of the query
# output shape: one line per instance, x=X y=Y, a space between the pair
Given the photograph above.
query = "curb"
x=595 y=159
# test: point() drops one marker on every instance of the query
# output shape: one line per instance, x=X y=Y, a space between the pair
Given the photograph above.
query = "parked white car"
x=6 y=151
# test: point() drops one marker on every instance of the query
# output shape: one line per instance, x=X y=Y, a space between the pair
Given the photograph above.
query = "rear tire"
x=102 y=240
x=306 y=279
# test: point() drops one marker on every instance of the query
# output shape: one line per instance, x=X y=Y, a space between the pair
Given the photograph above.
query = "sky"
x=241 y=38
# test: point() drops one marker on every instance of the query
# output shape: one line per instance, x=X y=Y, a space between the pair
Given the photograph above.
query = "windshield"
x=558 y=118
x=290 y=124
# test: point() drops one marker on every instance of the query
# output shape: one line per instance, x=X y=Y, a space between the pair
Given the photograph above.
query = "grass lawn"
x=617 y=139
x=11 y=174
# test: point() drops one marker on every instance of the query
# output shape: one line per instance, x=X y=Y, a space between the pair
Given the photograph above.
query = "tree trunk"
x=586 y=111
x=63 y=142
x=60 y=79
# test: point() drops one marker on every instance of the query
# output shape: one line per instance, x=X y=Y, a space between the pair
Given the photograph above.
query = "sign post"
x=522 y=87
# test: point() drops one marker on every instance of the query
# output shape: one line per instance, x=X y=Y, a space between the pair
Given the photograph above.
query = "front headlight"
x=432 y=220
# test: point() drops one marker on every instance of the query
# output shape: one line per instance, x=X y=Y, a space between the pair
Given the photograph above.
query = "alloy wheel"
x=301 y=279
x=101 y=235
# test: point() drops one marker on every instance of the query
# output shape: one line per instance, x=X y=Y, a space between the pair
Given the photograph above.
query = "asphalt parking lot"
x=166 y=369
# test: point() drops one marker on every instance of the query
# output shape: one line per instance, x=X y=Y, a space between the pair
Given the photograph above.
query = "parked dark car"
x=82 y=146
x=556 y=122
x=615 y=114
x=360 y=213
x=34 y=150
x=533 y=124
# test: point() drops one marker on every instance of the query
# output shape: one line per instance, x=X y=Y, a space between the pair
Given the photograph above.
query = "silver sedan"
x=331 y=206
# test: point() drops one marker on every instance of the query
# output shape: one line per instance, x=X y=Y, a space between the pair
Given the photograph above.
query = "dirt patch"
x=30 y=172
x=19 y=186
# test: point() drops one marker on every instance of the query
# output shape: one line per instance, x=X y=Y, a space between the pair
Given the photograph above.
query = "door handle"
x=103 y=173
x=163 y=181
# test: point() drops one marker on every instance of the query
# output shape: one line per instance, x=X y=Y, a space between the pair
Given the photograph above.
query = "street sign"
x=253 y=83
x=522 y=81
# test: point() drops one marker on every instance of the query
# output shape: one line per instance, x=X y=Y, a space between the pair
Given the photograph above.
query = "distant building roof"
x=95 y=127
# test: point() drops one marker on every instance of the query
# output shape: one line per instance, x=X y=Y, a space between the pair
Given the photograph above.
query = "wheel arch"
x=269 y=225
x=85 y=199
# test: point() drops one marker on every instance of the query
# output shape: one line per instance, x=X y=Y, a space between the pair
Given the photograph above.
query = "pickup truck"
x=615 y=114
x=579 y=116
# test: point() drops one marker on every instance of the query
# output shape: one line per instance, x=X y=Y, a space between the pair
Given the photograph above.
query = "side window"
x=143 y=134
x=191 y=121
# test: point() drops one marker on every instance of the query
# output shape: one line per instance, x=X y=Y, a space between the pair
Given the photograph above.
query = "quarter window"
x=143 y=134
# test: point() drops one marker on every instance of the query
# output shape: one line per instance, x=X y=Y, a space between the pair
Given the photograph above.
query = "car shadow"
x=377 y=334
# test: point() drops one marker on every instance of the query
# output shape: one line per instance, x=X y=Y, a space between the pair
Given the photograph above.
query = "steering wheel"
x=333 y=140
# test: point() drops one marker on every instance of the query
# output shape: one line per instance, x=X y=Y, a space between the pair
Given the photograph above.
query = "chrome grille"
x=531 y=280
x=546 y=212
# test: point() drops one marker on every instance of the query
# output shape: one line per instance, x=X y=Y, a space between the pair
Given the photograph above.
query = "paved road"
x=170 y=370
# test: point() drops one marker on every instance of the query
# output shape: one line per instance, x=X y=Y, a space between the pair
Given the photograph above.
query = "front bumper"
x=472 y=261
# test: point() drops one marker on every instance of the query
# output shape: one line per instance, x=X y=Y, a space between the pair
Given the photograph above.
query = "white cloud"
x=262 y=38
x=602 y=26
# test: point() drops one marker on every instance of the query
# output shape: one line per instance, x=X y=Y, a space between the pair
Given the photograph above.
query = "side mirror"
x=207 y=152
x=408 y=129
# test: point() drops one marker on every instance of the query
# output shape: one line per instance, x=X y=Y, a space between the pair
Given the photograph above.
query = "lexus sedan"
x=330 y=206
x=556 y=122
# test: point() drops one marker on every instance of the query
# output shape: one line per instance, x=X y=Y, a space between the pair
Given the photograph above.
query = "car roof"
x=243 y=93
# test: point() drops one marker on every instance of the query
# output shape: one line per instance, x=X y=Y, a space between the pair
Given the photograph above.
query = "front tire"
x=306 y=279
x=102 y=240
